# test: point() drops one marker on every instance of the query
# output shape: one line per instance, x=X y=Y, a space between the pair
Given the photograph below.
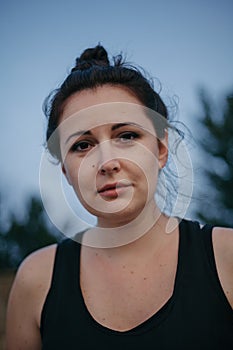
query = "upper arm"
x=223 y=251
x=21 y=329
x=26 y=300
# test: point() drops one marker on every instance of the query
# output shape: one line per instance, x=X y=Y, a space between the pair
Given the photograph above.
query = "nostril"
x=110 y=166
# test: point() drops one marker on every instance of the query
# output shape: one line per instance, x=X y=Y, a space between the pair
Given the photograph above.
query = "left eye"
x=128 y=136
x=81 y=146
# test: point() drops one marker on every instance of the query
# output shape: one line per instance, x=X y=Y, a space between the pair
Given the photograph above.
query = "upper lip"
x=113 y=186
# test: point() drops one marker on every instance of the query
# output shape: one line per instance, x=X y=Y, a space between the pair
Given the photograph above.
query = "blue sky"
x=185 y=44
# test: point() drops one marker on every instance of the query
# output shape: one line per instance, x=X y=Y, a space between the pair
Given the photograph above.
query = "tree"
x=23 y=237
x=217 y=143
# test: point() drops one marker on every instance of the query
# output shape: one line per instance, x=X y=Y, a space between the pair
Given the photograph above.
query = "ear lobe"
x=163 y=151
x=66 y=174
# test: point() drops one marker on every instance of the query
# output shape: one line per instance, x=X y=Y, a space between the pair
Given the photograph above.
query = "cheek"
x=147 y=161
x=144 y=173
x=82 y=177
x=148 y=169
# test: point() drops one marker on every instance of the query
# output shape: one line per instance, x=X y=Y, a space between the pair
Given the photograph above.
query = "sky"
x=184 y=44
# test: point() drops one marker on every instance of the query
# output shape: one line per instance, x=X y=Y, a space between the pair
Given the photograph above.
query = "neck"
x=129 y=234
x=153 y=242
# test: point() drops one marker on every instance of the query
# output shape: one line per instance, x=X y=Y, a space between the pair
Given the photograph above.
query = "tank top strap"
x=65 y=264
x=193 y=287
x=197 y=267
x=208 y=244
x=193 y=258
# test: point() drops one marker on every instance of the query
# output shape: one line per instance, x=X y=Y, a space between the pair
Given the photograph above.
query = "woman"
x=129 y=282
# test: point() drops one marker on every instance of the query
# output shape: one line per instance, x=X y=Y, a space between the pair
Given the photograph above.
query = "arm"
x=26 y=301
x=223 y=251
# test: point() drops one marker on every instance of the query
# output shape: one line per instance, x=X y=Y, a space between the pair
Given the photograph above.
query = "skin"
x=125 y=272
x=105 y=156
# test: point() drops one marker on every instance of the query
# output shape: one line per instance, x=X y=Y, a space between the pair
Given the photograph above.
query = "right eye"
x=81 y=146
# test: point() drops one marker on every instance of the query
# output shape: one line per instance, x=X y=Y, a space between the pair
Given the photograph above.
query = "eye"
x=81 y=146
x=128 y=136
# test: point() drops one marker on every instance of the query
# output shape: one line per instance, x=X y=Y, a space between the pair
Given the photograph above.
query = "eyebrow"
x=114 y=127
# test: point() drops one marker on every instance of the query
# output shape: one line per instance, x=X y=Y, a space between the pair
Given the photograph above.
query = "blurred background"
x=185 y=45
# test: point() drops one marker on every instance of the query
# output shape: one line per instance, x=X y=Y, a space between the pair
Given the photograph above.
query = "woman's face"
x=111 y=155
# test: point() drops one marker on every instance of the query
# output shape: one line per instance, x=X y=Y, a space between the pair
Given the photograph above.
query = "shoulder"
x=223 y=251
x=34 y=276
x=27 y=297
x=37 y=264
x=36 y=270
x=223 y=243
x=42 y=256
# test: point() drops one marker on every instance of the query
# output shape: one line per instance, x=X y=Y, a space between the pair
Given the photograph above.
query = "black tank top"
x=197 y=316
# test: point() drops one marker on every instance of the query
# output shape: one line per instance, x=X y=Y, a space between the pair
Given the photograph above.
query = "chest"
x=122 y=297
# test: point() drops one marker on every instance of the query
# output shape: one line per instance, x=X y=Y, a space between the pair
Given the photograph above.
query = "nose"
x=110 y=167
x=108 y=162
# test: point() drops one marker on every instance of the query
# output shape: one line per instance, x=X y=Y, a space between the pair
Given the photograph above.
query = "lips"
x=113 y=189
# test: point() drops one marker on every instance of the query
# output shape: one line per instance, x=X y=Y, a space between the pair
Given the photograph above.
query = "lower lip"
x=113 y=193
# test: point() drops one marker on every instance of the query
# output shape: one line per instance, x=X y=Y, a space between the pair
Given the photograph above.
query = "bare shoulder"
x=35 y=273
x=223 y=243
x=223 y=251
x=36 y=270
x=27 y=296
x=38 y=261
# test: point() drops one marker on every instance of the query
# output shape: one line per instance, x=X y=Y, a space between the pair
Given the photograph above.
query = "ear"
x=163 y=150
x=65 y=172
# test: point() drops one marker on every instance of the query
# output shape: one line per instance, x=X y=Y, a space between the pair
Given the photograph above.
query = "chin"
x=119 y=210
x=118 y=218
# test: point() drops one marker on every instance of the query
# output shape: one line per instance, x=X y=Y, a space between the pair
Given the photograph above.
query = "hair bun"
x=96 y=56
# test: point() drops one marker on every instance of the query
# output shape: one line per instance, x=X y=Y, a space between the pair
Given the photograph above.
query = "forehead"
x=89 y=109
x=92 y=97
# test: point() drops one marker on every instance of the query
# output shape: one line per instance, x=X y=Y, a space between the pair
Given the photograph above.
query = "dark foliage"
x=23 y=237
x=217 y=142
